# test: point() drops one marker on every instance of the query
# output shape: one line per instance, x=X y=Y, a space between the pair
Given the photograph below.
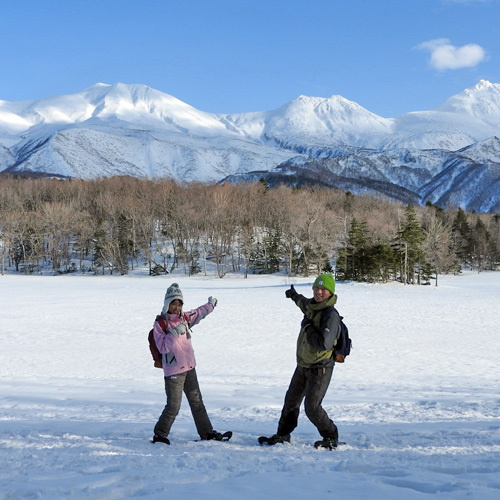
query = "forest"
x=115 y=225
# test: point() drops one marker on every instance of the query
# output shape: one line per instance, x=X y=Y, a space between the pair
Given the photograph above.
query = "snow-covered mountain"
x=447 y=155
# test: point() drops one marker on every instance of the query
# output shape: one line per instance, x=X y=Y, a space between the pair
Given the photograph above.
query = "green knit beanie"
x=326 y=280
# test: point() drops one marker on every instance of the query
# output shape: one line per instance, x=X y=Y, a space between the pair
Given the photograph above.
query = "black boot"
x=160 y=438
x=275 y=439
x=328 y=443
x=212 y=435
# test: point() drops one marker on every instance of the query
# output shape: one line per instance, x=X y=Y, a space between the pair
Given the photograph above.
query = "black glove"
x=290 y=293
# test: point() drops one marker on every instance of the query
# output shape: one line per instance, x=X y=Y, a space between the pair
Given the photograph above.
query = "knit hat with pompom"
x=173 y=293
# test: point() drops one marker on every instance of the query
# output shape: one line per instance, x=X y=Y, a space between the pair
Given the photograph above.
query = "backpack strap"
x=162 y=322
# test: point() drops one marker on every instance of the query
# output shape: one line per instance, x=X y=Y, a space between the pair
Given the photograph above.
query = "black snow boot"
x=160 y=438
x=212 y=435
x=328 y=443
x=274 y=439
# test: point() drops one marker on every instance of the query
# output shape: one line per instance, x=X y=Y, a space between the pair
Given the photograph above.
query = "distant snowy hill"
x=449 y=155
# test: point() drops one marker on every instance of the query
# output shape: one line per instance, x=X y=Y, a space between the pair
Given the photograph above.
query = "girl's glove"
x=180 y=329
x=212 y=300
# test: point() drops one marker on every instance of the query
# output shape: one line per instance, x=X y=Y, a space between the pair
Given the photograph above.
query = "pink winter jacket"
x=175 y=344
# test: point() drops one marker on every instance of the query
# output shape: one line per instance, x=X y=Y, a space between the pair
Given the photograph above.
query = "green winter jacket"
x=319 y=331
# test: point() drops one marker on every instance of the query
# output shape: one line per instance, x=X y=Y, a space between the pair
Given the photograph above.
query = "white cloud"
x=445 y=56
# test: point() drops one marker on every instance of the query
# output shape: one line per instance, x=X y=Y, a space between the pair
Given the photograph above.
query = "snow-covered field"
x=417 y=401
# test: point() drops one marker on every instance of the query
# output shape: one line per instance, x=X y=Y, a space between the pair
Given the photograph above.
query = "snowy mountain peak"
x=133 y=105
x=138 y=103
x=484 y=84
x=136 y=95
x=332 y=120
x=482 y=100
x=326 y=106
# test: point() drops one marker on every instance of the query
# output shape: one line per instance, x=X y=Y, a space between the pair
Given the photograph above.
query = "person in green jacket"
x=319 y=331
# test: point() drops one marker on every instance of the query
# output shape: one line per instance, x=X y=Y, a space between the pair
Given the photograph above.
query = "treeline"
x=114 y=225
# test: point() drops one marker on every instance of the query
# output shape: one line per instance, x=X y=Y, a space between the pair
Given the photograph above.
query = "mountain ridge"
x=133 y=129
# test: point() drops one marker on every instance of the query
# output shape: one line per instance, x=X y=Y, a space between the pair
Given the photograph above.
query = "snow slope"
x=417 y=401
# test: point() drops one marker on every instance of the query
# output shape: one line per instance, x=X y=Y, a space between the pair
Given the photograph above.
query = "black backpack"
x=343 y=345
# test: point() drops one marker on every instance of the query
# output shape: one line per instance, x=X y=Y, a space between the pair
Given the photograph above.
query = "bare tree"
x=437 y=243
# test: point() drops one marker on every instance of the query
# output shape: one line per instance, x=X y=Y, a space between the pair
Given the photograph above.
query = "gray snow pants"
x=311 y=384
x=175 y=385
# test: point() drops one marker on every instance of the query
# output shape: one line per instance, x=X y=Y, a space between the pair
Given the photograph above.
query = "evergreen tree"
x=356 y=244
x=408 y=246
x=480 y=239
x=495 y=241
x=361 y=259
x=381 y=262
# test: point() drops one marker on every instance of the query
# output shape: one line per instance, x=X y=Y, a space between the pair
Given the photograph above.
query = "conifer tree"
x=357 y=243
x=408 y=246
x=480 y=239
x=462 y=238
x=381 y=262
x=494 y=228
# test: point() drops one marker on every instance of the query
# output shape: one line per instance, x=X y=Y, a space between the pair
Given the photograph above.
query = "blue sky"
x=230 y=56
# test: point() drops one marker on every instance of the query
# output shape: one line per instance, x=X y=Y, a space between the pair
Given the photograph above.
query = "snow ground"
x=417 y=401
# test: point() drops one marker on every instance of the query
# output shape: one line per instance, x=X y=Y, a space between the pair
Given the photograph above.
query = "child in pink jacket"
x=174 y=342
